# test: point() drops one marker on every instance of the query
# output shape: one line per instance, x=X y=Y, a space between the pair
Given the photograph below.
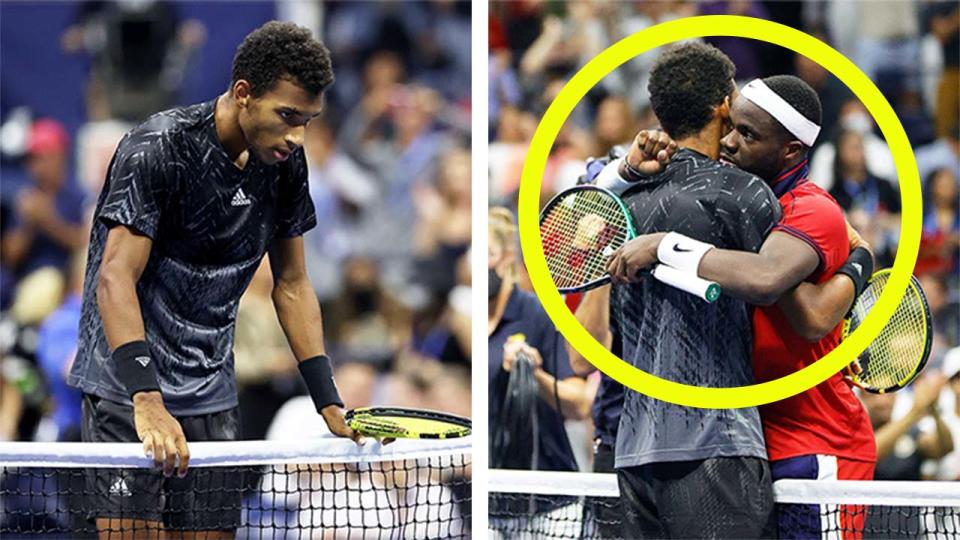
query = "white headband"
x=762 y=96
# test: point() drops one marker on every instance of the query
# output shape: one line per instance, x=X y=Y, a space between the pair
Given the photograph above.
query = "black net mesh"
x=412 y=498
x=523 y=516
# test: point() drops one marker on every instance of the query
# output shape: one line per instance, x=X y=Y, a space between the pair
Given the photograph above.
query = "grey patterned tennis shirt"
x=677 y=336
x=211 y=224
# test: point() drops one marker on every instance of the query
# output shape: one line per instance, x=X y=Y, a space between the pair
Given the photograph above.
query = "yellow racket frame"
x=911 y=324
x=407 y=423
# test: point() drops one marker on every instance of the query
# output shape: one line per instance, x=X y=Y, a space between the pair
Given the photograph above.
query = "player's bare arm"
x=593 y=314
x=758 y=278
x=125 y=256
x=299 y=313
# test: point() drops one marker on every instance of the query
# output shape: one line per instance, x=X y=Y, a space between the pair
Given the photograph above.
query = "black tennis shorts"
x=724 y=497
x=207 y=499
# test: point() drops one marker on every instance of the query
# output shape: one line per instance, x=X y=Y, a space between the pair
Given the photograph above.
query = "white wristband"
x=682 y=252
x=610 y=178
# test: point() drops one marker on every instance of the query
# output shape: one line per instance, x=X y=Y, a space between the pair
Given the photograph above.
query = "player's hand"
x=650 y=152
x=162 y=436
x=514 y=348
x=337 y=424
x=626 y=263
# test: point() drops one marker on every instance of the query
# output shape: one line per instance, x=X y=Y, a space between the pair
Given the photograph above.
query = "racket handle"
x=709 y=291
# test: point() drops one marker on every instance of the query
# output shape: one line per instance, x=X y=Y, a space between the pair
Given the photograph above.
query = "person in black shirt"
x=194 y=198
x=673 y=461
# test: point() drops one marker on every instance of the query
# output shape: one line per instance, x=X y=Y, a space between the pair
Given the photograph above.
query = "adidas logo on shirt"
x=240 y=199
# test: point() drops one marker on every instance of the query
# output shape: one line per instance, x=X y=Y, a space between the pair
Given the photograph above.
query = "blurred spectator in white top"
x=949 y=404
x=344 y=194
x=853 y=116
x=941 y=153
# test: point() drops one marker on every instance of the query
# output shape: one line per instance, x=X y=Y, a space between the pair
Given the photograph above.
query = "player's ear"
x=723 y=110
x=241 y=92
x=793 y=150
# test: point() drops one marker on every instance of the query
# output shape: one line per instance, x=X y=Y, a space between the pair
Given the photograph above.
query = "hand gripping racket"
x=898 y=355
x=404 y=423
x=582 y=227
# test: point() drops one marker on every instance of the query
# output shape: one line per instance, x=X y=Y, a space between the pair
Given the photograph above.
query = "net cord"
x=328 y=449
x=875 y=493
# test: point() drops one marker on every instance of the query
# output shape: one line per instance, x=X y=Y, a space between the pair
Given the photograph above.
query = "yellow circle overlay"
x=743 y=27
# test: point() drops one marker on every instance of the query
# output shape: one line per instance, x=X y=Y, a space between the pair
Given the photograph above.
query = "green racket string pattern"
x=579 y=233
x=893 y=357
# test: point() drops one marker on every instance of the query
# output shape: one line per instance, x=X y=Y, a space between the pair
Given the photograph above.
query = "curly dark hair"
x=799 y=95
x=686 y=83
x=282 y=50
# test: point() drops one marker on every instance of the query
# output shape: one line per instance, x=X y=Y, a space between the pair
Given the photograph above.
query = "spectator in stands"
x=872 y=203
x=364 y=321
x=47 y=223
x=855 y=187
x=56 y=348
x=944 y=25
x=615 y=124
x=853 y=116
x=901 y=446
x=940 y=243
x=518 y=326
x=346 y=195
x=443 y=229
x=140 y=52
x=949 y=467
x=941 y=153
x=267 y=375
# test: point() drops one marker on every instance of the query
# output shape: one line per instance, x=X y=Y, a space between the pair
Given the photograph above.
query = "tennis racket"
x=404 y=423
x=582 y=227
x=898 y=355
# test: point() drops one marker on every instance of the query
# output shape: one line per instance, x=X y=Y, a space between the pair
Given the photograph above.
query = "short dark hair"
x=800 y=95
x=686 y=83
x=282 y=50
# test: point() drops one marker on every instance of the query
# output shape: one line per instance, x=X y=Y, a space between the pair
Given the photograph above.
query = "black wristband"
x=135 y=369
x=318 y=375
x=859 y=268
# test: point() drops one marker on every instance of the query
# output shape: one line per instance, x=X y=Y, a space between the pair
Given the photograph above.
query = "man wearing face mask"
x=519 y=327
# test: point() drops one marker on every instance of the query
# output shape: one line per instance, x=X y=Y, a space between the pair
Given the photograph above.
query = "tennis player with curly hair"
x=194 y=198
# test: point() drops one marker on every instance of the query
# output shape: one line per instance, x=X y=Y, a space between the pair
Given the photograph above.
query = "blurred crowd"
x=389 y=174
x=909 y=48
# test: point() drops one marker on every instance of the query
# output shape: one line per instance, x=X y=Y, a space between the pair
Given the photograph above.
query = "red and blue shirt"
x=829 y=418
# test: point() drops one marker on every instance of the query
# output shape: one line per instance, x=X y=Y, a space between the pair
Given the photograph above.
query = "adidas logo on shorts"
x=119 y=487
x=240 y=199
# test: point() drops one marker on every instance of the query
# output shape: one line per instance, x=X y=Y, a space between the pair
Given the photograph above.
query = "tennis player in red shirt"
x=825 y=432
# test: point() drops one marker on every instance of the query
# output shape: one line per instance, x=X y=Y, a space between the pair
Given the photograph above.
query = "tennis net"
x=320 y=488
x=540 y=504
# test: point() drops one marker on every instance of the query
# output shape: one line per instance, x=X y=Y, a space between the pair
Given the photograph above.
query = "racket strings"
x=893 y=357
x=579 y=233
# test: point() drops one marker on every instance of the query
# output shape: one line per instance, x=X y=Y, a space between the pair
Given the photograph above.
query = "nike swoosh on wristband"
x=678 y=249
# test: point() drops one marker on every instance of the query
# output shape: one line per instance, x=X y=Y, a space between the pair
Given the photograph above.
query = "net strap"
x=873 y=493
x=328 y=449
